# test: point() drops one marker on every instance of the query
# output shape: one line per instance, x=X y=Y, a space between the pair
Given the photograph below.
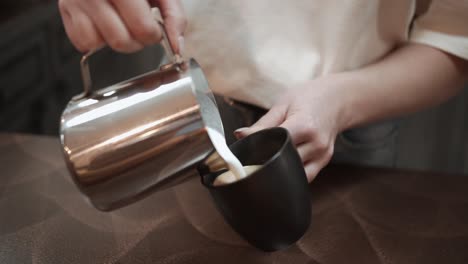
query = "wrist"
x=342 y=93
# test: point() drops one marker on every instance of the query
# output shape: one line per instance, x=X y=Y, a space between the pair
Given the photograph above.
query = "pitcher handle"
x=174 y=59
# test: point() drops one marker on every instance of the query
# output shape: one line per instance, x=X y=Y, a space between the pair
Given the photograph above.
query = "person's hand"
x=312 y=114
x=124 y=25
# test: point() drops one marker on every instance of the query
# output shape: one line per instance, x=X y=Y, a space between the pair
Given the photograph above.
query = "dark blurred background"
x=39 y=68
x=39 y=73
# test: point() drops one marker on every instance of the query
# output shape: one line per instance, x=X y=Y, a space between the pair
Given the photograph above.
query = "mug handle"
x=174 y=59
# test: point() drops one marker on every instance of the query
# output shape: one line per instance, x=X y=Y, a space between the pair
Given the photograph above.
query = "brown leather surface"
x=359 y=216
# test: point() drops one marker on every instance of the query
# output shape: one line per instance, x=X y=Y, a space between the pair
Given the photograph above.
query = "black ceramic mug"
x=271 y=207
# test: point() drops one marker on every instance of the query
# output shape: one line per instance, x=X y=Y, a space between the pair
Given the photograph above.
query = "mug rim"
x=287 y=139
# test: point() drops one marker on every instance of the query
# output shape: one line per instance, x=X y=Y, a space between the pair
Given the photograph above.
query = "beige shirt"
x=254 y=50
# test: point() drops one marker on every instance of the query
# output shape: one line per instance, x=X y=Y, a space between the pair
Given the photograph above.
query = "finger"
x=315 y=148
x=298 y=130
x=308 y=151
x=111 y=27
x=175 y=21
x=312 y=168
x=79 y=28
x=139 y=20
x=272 y=118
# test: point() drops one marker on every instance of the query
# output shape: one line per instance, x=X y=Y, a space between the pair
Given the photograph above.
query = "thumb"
x=174 y=18
x=272 y=118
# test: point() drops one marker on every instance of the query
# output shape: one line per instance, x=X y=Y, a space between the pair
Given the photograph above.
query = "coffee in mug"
x=229 y=176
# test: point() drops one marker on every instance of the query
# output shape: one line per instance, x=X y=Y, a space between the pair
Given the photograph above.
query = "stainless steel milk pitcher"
x=124 y=141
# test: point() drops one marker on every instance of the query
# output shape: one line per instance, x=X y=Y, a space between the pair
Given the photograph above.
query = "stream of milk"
x=219 y=143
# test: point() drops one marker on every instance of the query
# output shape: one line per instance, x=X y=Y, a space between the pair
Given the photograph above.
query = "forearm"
x=409 y=79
